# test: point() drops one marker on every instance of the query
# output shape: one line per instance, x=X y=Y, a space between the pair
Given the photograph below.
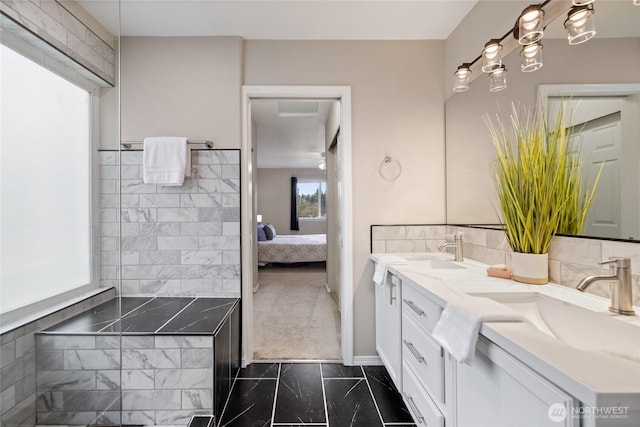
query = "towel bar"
x=193 y=145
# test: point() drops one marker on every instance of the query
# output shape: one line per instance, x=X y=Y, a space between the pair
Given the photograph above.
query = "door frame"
x=248 y=170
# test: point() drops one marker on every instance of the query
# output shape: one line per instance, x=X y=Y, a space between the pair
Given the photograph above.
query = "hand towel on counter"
x=166 y=160
x=382 y=265
x=458 y=328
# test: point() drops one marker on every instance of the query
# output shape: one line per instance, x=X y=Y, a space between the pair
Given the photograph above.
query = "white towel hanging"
x=166 y=160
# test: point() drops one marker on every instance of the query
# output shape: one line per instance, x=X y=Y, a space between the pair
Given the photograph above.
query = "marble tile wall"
x=175 y=240
x=49 y=21
x=18 y=363
x=164 y=379
x=570 y=258
x=407 y=238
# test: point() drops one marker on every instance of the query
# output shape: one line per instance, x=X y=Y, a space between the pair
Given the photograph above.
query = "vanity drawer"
x=421 y=407
x=424 y=355
x=424 y=311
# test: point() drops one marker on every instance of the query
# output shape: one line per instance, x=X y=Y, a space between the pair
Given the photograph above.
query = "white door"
x=607 y=126
x=602 y=147
x=337 y=225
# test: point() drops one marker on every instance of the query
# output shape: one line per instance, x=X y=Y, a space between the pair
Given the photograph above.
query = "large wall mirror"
x=602 y=74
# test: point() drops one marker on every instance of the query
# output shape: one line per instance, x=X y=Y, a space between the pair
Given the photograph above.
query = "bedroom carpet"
x=294 y=317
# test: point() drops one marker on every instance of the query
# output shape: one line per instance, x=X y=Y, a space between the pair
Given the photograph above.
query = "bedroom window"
x=312 y=199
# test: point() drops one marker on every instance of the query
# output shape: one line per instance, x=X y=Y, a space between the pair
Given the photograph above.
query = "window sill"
x=47 y=311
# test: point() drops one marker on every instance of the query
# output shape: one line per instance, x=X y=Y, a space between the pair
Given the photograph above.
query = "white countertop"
x=592 y=376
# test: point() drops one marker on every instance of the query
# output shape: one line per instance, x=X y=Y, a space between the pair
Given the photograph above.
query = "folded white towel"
x=458 y=327
x=382 y=266
x=166 y=160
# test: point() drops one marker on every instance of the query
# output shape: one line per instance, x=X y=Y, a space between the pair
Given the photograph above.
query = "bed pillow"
x=262 y=236
x=270 y=231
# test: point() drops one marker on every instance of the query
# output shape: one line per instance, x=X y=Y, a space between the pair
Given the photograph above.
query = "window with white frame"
x=312 y=199
x=45 y=199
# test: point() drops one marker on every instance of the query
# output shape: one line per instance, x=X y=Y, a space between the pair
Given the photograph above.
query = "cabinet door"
x=388 y=319
x=498 y=390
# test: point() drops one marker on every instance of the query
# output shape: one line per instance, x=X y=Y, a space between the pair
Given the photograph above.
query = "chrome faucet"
x=621 y=295
x=456 y=244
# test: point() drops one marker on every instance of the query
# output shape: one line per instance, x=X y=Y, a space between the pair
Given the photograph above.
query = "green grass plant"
x=538 y=179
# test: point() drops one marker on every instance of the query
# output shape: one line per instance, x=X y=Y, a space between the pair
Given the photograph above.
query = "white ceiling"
x=285 y=20
x=290 y=134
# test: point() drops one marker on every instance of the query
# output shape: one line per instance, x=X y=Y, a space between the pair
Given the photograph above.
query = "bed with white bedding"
x=289 y=249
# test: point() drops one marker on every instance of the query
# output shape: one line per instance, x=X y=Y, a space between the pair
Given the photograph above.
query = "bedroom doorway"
x=296 y=142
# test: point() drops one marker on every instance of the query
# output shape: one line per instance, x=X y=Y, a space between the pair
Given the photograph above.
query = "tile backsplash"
x=570 y=258
x=182 y=240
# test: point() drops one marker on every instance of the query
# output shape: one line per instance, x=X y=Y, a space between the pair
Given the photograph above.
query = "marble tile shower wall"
x=570 y=258
x=157 y=380
x=175 y=240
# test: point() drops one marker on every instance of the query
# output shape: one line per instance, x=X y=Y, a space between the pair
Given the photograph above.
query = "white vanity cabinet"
x=423 y=359
x=519 y=376
x=388 y=326
x=499 y=390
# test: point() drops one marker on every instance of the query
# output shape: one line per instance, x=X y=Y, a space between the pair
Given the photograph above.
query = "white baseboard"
x=367 y=360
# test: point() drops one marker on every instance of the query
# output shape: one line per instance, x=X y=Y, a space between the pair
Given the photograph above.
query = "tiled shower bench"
x=162 y=361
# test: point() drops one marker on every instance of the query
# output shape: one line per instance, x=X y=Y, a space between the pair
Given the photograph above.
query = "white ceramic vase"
x=530 y=268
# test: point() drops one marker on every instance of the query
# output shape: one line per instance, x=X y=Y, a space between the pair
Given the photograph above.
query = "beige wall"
x=184 y=86
x=274 y=199
x=397 y=110
x=191 y=86
x=469 y=151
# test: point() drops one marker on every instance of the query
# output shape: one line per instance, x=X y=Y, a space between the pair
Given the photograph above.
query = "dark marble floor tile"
x=338 y=370
x=201 y=421
x=300 y=398
x=149 y=317
x=250 y=404
x=389 y=400
x=260 y=371
x=349 y=403
x=205 y=315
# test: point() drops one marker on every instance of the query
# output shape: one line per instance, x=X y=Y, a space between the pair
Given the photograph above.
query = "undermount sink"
x=429 y=260
x=439 y=264
x=576 y=326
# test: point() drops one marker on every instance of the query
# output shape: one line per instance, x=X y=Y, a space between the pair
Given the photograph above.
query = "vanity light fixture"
x=528 y=30
x=531 y=57
x=498 y=79
x=579 y=24
x=461 y=78
x=530 y=25
x=491 y=56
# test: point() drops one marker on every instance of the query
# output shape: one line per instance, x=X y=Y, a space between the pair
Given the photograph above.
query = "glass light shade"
x=579 y=24
x=636 y=2
x=531 y=57
x=491 y=56
x=498 y=80
x=461 y=78
x=583 y=2
x=531 y=25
